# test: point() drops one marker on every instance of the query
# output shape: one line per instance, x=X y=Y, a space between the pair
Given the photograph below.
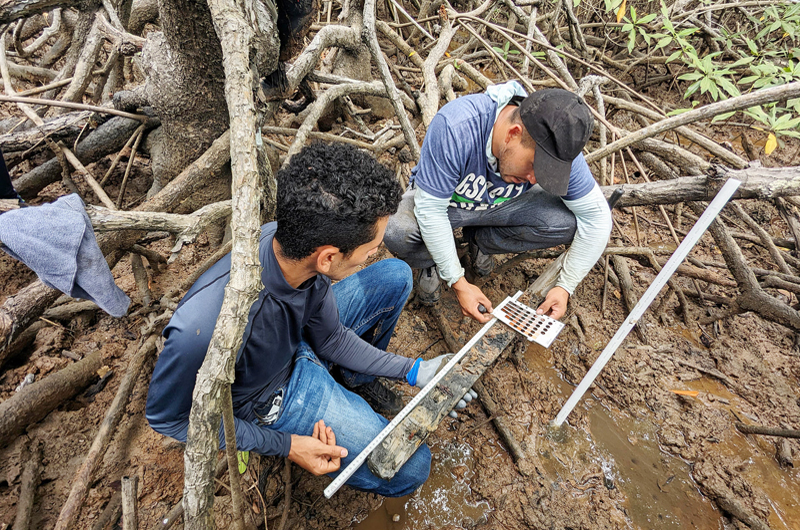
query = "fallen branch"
x=35 y=401
x=31 y=460
x=767 y=431
x=628 y=293
x=130 y=503
x=757 y=183
x=83 y=478
x=106 y=139
x=75 y=106
x=759 y=97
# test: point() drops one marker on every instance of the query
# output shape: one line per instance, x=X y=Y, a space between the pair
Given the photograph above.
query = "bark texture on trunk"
x=185 y=86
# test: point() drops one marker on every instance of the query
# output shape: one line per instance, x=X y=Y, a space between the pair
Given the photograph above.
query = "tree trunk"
x=185 y=86
x=239 y=39
x=757 y=183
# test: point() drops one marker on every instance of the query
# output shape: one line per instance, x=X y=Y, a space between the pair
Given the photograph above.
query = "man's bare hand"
x=317 y=453
x=555 y=303
x=470 y=297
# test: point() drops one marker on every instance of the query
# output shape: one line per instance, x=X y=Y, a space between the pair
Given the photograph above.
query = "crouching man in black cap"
x=508 y=169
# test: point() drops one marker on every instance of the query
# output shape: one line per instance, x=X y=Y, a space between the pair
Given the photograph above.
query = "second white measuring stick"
x=339 y=481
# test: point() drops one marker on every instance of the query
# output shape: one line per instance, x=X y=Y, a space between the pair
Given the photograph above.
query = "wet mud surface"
x=633 y=454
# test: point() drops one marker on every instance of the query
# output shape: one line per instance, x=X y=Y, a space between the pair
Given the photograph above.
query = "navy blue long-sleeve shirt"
x=279 y=318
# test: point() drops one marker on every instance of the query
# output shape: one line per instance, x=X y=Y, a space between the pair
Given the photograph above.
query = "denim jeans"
x=370 y=303
x=534 y=220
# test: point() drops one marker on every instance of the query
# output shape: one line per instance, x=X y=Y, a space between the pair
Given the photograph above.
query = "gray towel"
x=57 y=241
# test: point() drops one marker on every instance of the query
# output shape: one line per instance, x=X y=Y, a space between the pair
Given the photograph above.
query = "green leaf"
x=691 y=76
x=677 y=111
x=647 y=18
x=743 y=61
x=626 y=28
x=748 y=79
x=674 y=56
x=243 y=458
x=663 y=42
x=692 y=89
x=722 y=117
x=729 y=87
x=761 y=83
x=644 y=35
x=713 y=89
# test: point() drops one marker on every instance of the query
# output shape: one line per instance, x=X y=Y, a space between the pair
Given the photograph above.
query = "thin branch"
x=71 y=105
x=760 y=97
x=371 y=38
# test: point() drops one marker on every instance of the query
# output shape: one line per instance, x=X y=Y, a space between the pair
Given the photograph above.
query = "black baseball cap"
x=560 y=123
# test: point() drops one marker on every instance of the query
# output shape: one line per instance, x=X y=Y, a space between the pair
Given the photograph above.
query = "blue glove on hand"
x=423 y=372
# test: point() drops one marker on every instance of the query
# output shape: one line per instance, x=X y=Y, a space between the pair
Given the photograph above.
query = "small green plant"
x=712 y=77
x=504 y=52
x=761 y=53
x=637 y=26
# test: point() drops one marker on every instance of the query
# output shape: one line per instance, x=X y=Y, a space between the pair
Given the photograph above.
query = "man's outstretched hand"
x=317 y=453
x=470 y=297
x=555 y=303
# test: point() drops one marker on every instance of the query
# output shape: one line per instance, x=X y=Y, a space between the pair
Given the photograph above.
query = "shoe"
x=482 y=264
x=380 y=397
x=429 y=286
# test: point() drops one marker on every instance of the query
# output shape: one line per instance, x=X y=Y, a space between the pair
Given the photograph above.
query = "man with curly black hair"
x=332 y=208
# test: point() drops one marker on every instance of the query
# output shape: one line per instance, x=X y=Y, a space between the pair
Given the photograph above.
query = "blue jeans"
x=370 y=303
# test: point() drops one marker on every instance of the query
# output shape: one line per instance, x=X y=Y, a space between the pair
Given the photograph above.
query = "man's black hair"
x=332 y=194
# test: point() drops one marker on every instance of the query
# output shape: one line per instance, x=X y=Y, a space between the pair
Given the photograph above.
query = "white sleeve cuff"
x=591 y=237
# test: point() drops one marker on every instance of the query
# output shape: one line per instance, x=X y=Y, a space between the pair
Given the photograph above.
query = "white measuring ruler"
x=339 y=481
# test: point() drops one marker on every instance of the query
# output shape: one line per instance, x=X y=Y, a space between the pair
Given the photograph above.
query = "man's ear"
x=514 y=131
x=325 y=258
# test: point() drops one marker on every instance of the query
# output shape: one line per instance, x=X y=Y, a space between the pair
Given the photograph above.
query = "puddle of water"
x=756 y=457
x=618 y=451
x=441 y=501
x=781 y=487
x=659 y=491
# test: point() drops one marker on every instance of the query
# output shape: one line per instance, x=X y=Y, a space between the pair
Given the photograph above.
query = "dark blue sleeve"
x=581 y=181
x=169 y=399
x=332 y=341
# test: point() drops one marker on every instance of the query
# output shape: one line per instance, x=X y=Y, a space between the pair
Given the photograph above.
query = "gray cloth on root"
x=57 y=241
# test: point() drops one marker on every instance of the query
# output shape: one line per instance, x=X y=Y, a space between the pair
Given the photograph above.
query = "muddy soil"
x=634 y=454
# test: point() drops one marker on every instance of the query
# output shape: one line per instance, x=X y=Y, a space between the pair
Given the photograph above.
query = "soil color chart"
x=540 y=329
